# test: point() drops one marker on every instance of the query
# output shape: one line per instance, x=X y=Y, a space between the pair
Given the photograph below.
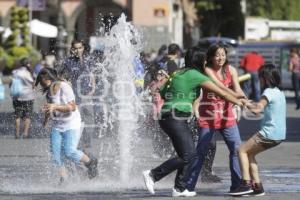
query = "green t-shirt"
x=181 y=90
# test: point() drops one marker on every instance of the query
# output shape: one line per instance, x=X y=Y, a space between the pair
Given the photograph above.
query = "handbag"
x=2 y=91
x=16 y=87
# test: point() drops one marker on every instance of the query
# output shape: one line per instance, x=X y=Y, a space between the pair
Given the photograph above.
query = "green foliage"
x=274 y=9
x=12 y=52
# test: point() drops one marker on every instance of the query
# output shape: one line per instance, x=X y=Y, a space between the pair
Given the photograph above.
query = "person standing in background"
x=294 y=67
x=23 y=101
x=251 y=63
x=77 y=69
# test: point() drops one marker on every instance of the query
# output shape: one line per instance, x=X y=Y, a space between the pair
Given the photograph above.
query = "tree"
x=274 y=9
x=220 y=17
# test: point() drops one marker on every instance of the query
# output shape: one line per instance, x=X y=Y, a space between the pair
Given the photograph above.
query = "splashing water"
x=122 y=45
x=120 y=111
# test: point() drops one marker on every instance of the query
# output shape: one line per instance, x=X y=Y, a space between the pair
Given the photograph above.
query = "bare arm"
x=258 y=107
x=210 y=86
x=196 y=105
x=50 y=107
x=236 y=85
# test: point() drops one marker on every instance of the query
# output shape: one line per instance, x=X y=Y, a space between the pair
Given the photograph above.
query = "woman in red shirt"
x=216 y=114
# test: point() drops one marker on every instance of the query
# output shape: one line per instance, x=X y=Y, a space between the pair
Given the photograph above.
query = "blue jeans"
x=253 y=86
x=64 y=144
x=232 y=139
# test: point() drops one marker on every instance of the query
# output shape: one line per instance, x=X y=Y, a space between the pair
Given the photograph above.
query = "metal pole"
x=60 y=37
x=30 y=19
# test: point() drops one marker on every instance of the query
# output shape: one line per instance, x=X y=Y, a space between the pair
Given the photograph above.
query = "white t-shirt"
x=27 y=84
x=68 y=120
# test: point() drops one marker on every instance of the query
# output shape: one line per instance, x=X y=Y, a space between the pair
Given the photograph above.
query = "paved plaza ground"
x=25 y=172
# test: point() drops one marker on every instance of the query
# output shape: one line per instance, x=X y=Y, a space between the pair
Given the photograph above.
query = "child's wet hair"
x=271 y=75
x=47 y=73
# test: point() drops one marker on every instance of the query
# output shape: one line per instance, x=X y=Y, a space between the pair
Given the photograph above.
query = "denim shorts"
x=265 y=142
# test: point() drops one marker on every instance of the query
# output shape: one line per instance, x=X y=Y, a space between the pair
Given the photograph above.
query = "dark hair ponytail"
x=46 y=73
x=271 y=75
x=195 y=59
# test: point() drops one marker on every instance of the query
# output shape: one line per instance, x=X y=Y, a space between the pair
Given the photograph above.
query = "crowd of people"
x=184 y=86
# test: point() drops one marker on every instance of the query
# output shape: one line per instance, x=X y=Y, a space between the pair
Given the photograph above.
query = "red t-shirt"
x=251 y=62
x=214 y=111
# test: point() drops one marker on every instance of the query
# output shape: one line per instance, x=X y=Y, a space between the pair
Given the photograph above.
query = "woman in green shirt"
x=179 y=93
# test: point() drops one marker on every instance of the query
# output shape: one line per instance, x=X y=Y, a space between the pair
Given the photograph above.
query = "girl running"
x=61 y=107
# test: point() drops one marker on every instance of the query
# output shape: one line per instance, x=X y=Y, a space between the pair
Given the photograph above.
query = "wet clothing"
x=65 y=132
x=64 y=144
x=273 y=124
x=68 y=120
x=181 y=90
x=179 y=93
x=181 y=137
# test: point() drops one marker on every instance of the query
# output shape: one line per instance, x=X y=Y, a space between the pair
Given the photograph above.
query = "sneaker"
x=258 y=189
x=210 y=178
x=244 y=188
x=92 y=168
x=149 y=182
x=184 y=193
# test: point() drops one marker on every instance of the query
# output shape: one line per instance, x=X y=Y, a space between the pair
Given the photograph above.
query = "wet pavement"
x=26 y=172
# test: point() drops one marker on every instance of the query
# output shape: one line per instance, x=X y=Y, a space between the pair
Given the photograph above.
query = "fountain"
x=123 y=147
x=122 y=44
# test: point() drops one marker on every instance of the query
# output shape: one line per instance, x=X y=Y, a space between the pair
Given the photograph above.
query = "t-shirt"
x=68 y=120
x=295 y=61
x=251 y=62
x=273 y=124
x=27 y=81
x=181 y=90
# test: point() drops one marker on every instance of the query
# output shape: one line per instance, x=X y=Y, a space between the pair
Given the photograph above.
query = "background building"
x=163 y=21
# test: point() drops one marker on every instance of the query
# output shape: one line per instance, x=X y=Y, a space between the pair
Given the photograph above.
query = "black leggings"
x=181 y=137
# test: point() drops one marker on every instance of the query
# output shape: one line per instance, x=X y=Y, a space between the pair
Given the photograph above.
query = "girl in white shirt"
x=63 y=111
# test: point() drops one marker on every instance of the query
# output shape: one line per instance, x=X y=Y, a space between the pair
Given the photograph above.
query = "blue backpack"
x=16 y=87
